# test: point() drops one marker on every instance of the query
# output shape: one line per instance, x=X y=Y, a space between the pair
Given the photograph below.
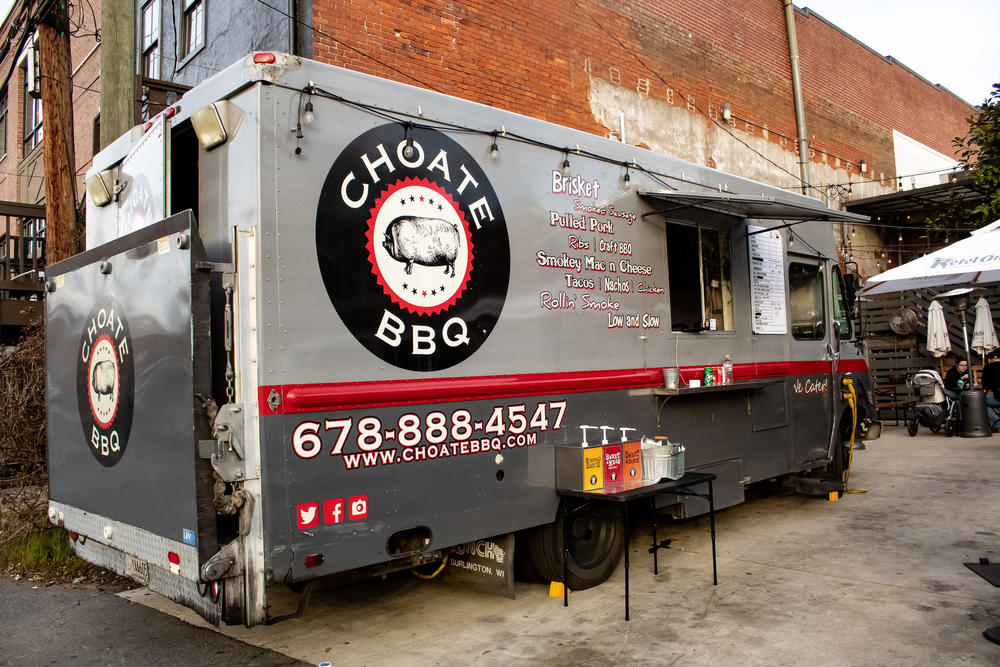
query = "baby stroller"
x=934 y=408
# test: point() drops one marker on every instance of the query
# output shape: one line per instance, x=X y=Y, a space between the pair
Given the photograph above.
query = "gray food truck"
x=328 y=323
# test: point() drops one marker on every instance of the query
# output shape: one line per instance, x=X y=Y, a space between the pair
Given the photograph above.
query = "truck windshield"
x=805 y=300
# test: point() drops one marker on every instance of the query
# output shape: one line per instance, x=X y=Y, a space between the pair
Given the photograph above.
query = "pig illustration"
x=425 y=241
x=103 y=380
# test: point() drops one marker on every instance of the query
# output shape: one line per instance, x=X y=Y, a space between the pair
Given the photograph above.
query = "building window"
x=700 y=274
x=32 y=117
x=3 y=121
x=192 y=27
x=33 y=233
x=805 y=299
x=151 y=39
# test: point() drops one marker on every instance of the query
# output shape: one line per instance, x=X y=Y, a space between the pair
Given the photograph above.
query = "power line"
x=348 y=46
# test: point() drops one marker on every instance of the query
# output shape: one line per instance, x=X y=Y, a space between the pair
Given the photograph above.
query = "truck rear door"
x=127 y=358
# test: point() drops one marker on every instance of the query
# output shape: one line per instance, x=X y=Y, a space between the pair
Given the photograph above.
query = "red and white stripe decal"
x=297 y=398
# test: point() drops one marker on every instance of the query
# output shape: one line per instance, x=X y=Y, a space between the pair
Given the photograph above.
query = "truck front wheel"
x=596 y=544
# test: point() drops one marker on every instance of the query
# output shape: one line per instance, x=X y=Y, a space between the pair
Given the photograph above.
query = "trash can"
x=975 y=423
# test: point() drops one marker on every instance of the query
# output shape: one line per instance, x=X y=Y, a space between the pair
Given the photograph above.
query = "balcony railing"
x=22 y=249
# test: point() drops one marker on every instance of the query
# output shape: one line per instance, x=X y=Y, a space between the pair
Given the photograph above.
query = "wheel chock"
x=556 y=589
x=834 y=496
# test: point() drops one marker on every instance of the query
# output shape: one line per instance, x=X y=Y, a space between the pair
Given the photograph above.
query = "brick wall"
x=539 y=58
x=85 y=92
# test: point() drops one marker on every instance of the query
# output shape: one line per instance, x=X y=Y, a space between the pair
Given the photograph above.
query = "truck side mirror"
x=851 y=288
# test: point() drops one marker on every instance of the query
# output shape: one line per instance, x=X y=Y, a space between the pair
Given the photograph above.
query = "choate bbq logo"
x=413 y=248
x=105 y=381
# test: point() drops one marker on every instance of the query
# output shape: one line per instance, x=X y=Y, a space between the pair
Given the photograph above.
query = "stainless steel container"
x=663 y=461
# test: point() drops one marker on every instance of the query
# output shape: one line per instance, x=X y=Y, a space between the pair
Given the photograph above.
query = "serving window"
x=699 y=260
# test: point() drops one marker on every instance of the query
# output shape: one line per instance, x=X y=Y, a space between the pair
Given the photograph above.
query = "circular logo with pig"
x=105 y=379
x=412 y=246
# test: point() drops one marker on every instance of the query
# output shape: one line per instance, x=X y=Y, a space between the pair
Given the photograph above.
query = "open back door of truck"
x=128 y=360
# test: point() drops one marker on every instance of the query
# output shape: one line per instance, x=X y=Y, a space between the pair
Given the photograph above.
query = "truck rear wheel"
x=596 y=544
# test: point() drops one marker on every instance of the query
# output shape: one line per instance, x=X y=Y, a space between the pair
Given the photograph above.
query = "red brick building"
x=704 y=80
x=22 y=136
x=662 y=73
x=576 y=63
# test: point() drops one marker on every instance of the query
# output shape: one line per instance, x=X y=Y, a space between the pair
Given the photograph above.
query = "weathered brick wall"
x=856 y=82
x=85 y=92
x=558 y=61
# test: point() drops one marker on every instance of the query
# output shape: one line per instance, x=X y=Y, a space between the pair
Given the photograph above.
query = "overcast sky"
x=951 y=42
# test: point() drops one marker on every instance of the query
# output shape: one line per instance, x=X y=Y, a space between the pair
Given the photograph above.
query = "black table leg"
x=652 y=511
x=625 y=512
x=565 y=552
x=711 y=520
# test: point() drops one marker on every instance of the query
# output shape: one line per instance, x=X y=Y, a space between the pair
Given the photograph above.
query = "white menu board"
x=767 y=281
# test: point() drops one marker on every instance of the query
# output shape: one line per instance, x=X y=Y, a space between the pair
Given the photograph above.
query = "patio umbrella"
x=984 y=334
x=938 y=342
x=971 y=261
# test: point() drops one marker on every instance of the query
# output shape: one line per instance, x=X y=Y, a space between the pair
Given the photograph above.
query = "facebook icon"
x=333 y=510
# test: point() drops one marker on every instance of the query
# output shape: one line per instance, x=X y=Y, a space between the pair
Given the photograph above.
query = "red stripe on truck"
x=296 y=398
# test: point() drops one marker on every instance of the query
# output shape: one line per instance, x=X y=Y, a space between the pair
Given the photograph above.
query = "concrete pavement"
x=875 y=578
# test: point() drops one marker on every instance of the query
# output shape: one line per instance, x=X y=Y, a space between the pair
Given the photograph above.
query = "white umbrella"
x=984 y=334
x=972 y=261
x=938 y=342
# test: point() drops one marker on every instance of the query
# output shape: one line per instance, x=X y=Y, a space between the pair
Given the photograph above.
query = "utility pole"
x=58 y=154
x=118 y=75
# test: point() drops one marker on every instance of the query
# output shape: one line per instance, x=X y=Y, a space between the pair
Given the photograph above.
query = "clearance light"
x=100 y=187
x=314 y=560
x=173 y=557
x=263 y=58
x=209 y=125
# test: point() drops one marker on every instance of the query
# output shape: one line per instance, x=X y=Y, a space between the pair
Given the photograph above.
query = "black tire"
x=524 y=567
x=912 y=426
x=597 y=542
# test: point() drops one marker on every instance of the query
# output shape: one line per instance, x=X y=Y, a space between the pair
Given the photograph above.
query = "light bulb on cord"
x=409 y=151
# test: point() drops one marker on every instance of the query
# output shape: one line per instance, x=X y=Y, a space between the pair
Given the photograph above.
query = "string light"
x=409 y=151
x=565 y=165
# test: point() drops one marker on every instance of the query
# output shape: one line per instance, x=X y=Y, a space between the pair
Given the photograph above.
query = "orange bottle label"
x=632 y=456
x=593 y=468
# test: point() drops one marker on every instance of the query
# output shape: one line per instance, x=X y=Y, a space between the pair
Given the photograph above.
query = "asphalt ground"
x=64 y=624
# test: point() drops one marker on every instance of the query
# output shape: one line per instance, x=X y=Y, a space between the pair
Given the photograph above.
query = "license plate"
x=136 y=569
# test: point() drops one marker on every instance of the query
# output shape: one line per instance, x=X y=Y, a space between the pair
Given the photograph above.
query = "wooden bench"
x=887 y=397
x=897 y=406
